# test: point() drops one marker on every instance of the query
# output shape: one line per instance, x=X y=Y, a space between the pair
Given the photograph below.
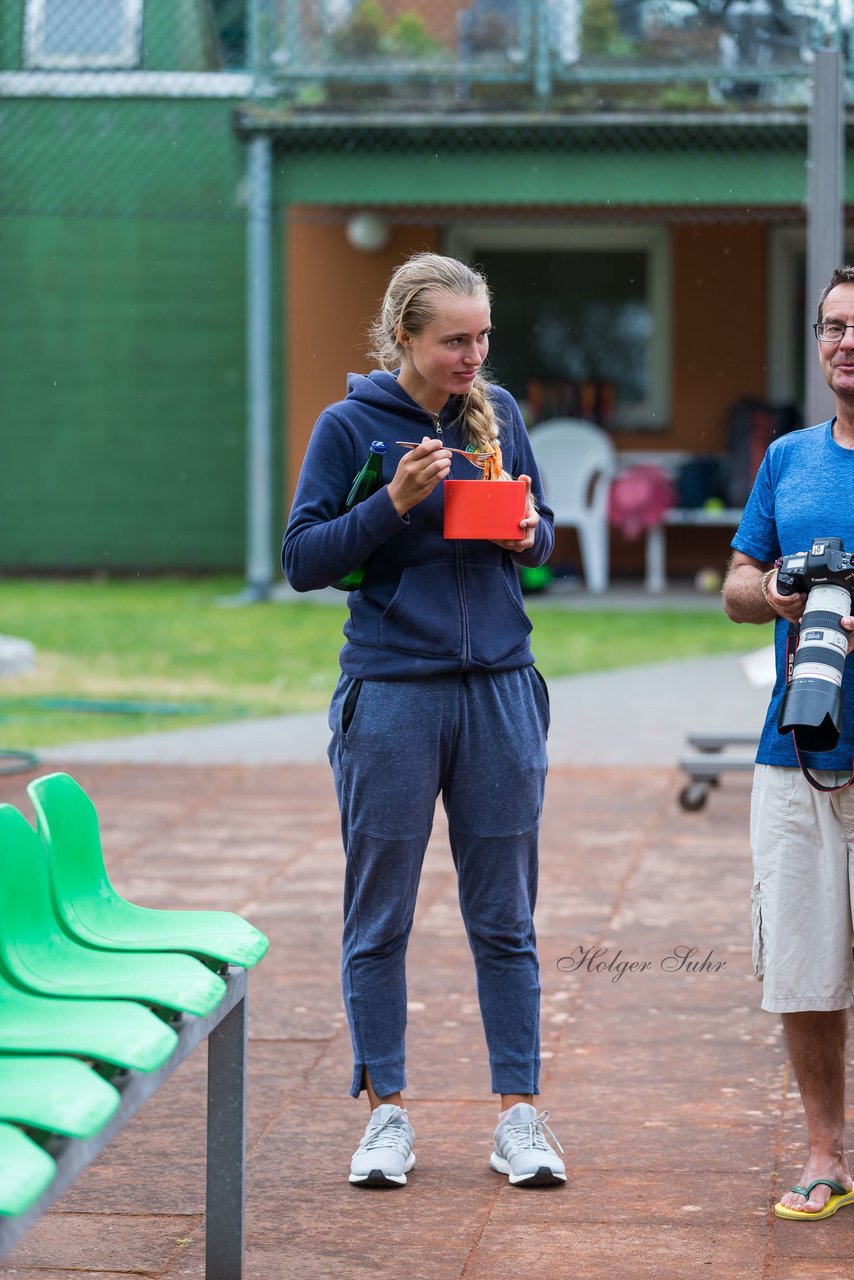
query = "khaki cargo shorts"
x=803 y=862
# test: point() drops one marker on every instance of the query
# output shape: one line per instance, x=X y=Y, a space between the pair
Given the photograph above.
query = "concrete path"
x=666 y=1084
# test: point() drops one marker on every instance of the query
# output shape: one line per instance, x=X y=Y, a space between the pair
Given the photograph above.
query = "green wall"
x=571 y=164
x=566 y=177
x=11 y=34
x=122 y=332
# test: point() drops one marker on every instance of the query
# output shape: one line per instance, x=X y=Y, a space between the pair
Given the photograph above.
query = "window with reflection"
x=65 y=34
x=580 y=318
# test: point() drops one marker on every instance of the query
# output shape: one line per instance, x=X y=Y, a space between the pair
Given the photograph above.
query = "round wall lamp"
x=367 y=233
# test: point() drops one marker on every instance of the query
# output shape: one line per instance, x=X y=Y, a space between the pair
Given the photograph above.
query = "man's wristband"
x=766 y=578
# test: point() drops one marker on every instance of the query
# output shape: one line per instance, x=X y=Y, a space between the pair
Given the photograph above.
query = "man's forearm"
x=742 y=595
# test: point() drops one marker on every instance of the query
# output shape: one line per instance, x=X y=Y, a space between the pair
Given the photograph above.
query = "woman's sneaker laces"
x=522 y=1151
x=384 y=1156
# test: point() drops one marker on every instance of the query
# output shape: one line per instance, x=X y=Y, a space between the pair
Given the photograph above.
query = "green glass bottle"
x=366 y=482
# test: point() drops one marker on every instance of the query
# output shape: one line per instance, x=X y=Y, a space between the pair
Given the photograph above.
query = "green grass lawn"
x=121 y=657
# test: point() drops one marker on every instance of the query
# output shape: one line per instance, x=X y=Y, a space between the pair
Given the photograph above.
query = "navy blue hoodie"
x=427 y=605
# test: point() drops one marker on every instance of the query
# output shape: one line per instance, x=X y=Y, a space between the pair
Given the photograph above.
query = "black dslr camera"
x=826 y=562
x=812 y=702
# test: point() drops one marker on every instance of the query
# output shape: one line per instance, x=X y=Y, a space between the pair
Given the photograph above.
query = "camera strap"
x=791 y=646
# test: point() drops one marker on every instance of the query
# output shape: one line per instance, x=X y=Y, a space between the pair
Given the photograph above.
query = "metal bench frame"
x=655 y=571
x=709 y=760
x=225 y=1030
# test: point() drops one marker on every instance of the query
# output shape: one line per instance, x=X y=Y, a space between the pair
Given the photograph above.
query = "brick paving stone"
x=795 y=1271
x=61 y=1244
x=668 y=1088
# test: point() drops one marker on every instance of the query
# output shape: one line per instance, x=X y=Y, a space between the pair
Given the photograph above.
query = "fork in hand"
x=476 y=459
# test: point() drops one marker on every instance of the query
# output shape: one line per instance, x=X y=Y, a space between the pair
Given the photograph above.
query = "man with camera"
x=790 y=563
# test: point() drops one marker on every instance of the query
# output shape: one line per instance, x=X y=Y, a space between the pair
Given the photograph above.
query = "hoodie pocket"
x=498 y=624
x=424 y=615
x=475 y=617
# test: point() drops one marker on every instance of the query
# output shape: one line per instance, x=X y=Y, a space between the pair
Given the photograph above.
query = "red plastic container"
x=484 y=508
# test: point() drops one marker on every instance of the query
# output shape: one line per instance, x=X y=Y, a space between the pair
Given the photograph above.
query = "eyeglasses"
x=831 y=331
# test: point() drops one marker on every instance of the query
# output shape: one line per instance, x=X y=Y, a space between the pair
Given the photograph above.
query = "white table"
x=656 y=539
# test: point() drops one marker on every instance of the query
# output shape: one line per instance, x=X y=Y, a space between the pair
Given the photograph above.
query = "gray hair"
x=841 y=275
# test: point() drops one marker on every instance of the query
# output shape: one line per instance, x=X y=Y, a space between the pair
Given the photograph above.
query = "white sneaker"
x=384 y=1156
x=522 y=1152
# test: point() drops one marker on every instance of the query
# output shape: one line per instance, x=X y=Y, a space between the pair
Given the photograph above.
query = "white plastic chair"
x=577 y=463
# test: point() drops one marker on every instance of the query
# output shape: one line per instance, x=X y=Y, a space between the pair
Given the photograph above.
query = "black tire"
x=693 y=797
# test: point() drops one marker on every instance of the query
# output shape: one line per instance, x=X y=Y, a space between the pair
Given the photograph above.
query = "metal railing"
x=491 y=55
x=664 y=54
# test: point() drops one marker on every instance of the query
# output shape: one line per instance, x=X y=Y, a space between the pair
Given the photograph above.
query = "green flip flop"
x=841 y=1196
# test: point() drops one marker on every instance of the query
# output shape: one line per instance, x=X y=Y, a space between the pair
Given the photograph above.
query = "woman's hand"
x=528 y=523
x=847 y=623
x=418 y=473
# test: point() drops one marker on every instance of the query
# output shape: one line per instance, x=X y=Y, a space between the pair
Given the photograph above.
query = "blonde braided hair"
x=409 y=305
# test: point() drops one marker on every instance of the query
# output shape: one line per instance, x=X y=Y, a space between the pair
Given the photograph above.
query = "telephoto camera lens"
x=812 y=702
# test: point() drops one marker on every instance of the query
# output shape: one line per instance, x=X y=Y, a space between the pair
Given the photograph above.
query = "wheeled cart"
x=709 y=760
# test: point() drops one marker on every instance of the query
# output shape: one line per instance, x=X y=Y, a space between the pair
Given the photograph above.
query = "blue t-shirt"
x=804 y=490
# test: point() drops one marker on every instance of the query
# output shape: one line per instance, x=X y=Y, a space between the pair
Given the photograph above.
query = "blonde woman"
x=438 y=695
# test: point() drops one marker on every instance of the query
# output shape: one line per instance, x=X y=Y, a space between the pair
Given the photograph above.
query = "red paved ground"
x=668 y=1089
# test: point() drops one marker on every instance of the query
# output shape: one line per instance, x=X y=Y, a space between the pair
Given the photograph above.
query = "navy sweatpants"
x=479 y=741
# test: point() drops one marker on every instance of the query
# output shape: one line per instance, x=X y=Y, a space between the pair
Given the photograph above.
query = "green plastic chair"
x=26 y=1170
x=117 y=1032
x=36 y=955
x=90 y=909
x=60 y=1095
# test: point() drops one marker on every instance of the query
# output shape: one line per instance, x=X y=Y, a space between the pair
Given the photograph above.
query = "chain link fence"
x=124 y=199
x=122 y=255
x=121 y=108
x=125 y=107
